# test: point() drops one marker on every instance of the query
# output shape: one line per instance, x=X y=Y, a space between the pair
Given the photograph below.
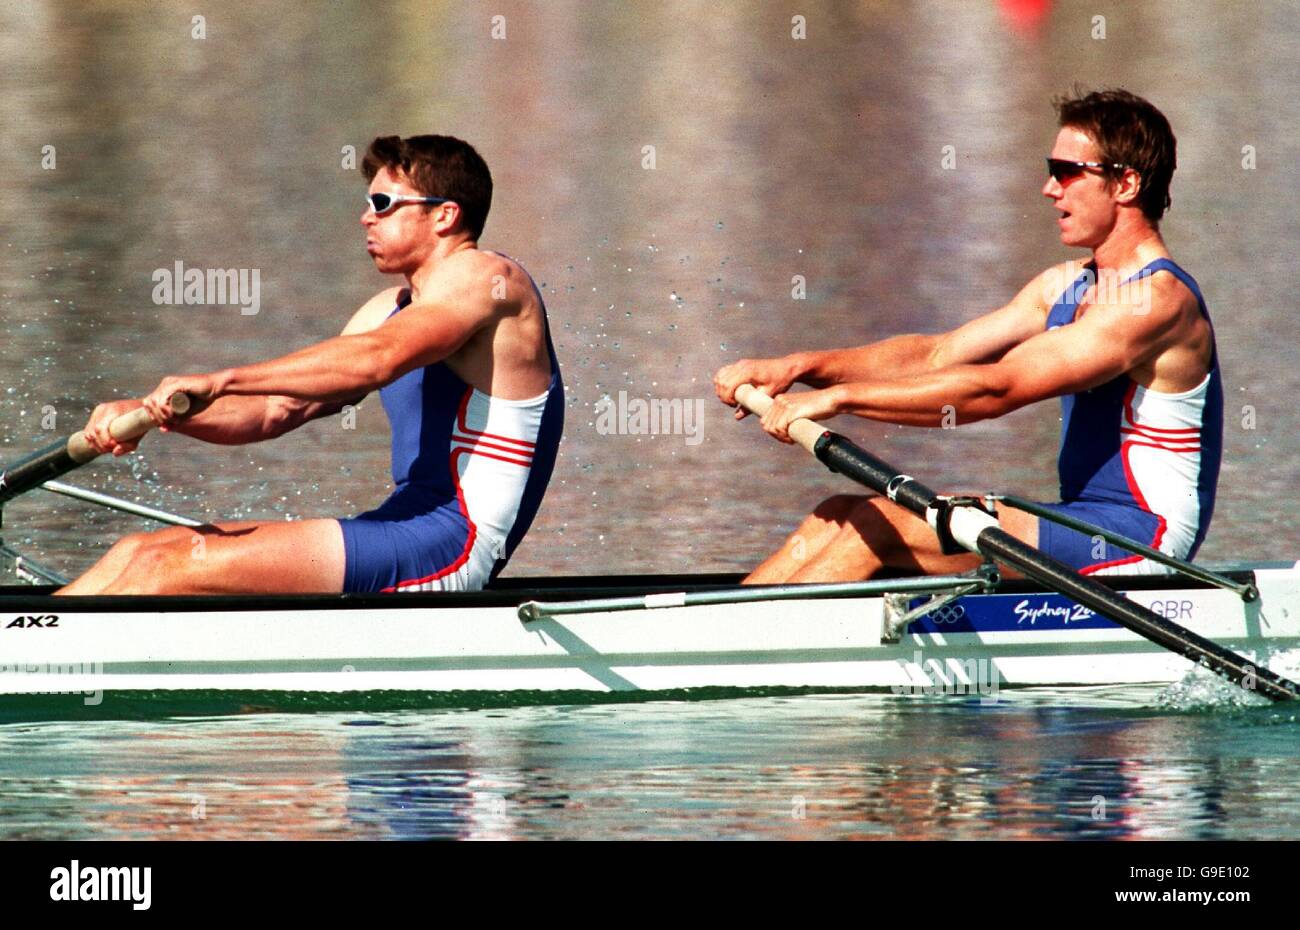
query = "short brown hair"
x=437 y=166
x=1129 y=131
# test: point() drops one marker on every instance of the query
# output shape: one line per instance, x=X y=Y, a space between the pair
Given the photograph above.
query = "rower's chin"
x=1072 y=239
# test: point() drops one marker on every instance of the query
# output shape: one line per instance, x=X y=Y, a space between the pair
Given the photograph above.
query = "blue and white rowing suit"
x=470 y=471
x=1135 y=461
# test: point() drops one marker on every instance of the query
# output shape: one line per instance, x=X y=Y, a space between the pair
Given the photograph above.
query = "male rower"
x=463 y=362
x=1126 y=342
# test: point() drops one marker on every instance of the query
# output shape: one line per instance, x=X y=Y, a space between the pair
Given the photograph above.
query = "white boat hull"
x=977 y=644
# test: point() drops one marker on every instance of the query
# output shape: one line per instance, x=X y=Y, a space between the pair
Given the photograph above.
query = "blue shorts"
x=413 y=541
x=1086 y=554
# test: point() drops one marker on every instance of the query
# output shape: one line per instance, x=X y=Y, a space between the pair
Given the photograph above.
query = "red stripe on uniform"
x=464 y=428
x=475 y=444
x=1130 y=559
x=499 y=458
x=1164 y=446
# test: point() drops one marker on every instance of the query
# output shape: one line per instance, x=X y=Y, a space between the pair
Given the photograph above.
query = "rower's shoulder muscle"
x=373 y=312
x=466 y=294
x=489 y=283
x=989 y=337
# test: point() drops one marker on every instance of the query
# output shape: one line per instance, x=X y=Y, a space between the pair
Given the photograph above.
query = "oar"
x=63 y=456
x=979 y=532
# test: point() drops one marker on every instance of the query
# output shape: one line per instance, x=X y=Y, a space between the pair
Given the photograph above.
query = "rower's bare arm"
x=285 y=414
x=990 y=337
x=238 y=419
x=985 y=339
x=897 y=355
x=227 y=421
x=465 y=296
x=345 y=368
x=893 y=357
x=1108 y=341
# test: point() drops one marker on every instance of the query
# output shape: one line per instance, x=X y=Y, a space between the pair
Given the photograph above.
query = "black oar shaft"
x=840 y=455
x=980 y=533
x=843 y=456
x=39 y=467
x=61 y=457
x=1000 y=545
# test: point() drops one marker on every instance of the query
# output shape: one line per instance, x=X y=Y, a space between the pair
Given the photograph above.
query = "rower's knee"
x=133 y=543
x=158 y=566
x=130 y=543
x=883 y=526
x=838 y=508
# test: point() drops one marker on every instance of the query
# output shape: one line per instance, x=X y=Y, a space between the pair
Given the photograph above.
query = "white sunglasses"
x=382 y=203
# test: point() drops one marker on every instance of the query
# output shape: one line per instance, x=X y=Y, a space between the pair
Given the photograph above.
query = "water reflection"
x=857 y=767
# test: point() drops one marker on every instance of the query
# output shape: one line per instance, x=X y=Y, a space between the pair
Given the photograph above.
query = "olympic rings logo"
x=948 y=613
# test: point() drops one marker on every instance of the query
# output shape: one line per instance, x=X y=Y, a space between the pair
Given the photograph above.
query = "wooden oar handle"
x=804 y=432
x=129 y=426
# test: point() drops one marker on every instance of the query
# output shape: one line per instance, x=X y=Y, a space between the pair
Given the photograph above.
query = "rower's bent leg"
x=303 y=556
x=873 y=534
x=818 y=529
x=110 y=565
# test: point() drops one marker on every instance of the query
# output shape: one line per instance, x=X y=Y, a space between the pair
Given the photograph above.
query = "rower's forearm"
x=336 y=370
x=229 y=420
x=896 y=357
x=948 y=397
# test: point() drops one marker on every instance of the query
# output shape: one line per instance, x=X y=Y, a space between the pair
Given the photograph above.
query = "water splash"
x=1202 y=690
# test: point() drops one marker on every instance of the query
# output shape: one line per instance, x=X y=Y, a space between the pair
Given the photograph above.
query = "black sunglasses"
x=1063 y=170
x=381 y=203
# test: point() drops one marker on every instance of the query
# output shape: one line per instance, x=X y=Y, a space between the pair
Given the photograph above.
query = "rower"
x=464 y=365
x=1125 y=341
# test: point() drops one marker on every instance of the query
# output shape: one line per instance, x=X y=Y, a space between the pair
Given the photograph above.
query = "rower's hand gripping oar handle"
x=129 y=426
x=805 y=432
x=958 y=527
x=63 y=455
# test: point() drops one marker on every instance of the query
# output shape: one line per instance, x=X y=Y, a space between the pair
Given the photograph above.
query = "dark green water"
x=1095 y=763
